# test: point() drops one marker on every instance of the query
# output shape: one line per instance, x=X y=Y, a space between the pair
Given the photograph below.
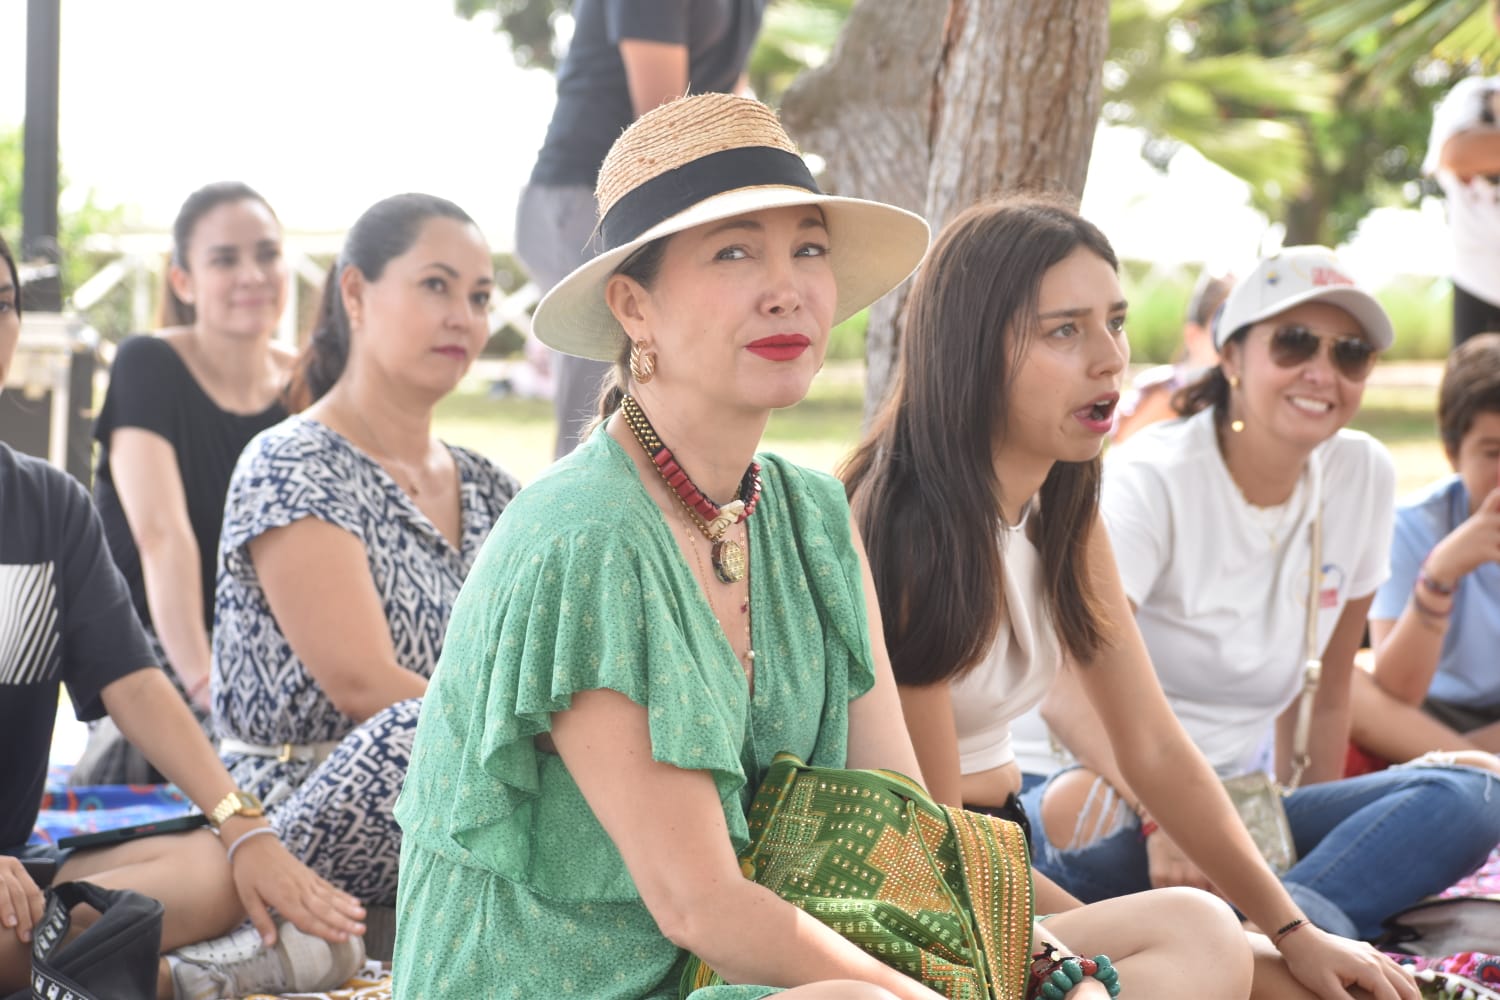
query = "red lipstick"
x=779 y=346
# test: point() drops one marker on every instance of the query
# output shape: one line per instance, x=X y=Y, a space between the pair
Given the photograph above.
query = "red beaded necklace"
x=713 y=520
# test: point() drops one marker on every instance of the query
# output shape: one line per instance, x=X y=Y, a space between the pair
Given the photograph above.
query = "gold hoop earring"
x=642 y=363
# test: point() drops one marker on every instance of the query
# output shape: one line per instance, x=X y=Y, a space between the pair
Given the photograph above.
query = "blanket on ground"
x=91 y=808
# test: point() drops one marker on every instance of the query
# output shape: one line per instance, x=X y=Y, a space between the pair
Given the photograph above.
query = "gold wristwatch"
x=236 y=803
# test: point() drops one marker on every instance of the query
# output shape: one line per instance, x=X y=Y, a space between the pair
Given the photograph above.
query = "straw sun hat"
x=701 y=159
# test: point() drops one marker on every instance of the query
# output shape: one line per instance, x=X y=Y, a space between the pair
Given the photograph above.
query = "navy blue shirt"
x=593 y=96
x=65 y=618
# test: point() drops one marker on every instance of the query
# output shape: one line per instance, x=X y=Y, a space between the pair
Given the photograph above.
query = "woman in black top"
x=180 y=408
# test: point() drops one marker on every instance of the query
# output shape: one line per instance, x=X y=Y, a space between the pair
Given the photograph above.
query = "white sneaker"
x=240 y=963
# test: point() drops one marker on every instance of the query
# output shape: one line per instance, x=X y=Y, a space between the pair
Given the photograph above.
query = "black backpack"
x=115 y=959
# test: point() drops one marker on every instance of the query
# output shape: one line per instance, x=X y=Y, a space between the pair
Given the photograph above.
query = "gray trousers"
x=554 y=235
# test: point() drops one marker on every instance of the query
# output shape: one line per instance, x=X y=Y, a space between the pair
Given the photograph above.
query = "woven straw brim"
x=875 y=247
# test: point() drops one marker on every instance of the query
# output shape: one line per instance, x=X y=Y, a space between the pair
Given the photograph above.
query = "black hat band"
x=674 y=191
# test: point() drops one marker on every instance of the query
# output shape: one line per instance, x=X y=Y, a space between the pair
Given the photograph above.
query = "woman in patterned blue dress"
x=347 y=533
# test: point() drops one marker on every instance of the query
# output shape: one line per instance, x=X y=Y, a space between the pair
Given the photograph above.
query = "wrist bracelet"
x=1286 y=930
x=1436 y=586
x=1428 y=611
x=199 y=685
x=249 y=834
x=1148 y=827
x=1054 y=974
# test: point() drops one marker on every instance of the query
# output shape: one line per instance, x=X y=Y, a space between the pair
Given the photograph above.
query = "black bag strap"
x=119 y=952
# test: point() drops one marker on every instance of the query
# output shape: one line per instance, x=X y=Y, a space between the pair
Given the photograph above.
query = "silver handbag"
x=1258 y=801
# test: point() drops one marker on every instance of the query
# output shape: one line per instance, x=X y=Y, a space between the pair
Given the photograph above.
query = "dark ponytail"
x=1211 y=390
x=327 y=351
x=385 y=231
x=172 y=311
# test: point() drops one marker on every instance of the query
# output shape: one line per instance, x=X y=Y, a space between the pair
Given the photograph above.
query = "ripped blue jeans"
x=1367 y=847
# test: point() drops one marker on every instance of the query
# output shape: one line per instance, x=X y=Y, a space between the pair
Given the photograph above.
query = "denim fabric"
x=1368 y=847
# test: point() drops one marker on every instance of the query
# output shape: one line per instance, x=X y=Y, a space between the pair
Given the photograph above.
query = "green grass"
x=820 y=431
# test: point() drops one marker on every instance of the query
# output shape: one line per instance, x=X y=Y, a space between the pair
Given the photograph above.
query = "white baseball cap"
x=1296 y=275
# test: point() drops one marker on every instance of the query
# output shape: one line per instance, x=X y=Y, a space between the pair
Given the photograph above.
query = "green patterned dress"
x=509 y=886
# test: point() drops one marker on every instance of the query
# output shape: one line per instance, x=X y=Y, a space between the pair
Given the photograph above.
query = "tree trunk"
x=934 y=105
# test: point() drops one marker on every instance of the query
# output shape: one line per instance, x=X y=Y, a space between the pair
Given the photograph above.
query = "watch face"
x=236 y=803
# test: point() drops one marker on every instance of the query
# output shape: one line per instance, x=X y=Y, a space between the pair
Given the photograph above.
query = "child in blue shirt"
x=1435 y=623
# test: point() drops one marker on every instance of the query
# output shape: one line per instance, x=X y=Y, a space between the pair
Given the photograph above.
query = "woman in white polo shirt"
x=1217 y=520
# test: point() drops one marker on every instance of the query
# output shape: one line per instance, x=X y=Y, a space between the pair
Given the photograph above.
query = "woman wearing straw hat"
x=624 y=662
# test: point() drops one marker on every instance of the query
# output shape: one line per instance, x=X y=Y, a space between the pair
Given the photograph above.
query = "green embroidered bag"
x=941 y=894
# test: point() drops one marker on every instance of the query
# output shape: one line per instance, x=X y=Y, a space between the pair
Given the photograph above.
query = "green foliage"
x=846 y=342
x=796 y=35
x=76 y=226
x=1238 y=108
x=1158 y=303
x=531 y=25
x=1390 y=39
x=1319 y=148
x=1421 y=310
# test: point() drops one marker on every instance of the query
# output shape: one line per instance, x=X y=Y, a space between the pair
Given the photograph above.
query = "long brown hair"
x=923 y=483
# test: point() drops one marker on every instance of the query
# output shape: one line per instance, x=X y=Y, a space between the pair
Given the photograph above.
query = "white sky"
x=326 y=106
x=329 y=105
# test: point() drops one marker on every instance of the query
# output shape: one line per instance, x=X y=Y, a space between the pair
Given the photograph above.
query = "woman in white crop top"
x=976 y=491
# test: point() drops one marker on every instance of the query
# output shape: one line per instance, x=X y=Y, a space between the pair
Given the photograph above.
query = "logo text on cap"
x=1329 y=276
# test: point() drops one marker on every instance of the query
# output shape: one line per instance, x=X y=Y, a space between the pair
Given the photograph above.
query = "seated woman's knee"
x=1203 y=913
x=1459 y=791
x=1220 y=942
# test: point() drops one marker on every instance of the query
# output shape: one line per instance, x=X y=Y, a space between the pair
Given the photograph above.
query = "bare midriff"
x=991 y=787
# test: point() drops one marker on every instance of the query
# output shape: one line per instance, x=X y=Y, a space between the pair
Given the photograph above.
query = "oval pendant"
x=729 y=561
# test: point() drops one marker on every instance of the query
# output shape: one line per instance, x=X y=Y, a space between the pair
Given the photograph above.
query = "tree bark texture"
x=934 y=105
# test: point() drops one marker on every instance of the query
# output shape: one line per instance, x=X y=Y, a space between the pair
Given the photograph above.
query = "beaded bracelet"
x=1437 y=587
x=247 y=835
x=1287 y=929
x=1054 y=974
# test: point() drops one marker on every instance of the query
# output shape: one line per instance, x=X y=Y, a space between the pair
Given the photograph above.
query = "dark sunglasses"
x=1295 y=344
